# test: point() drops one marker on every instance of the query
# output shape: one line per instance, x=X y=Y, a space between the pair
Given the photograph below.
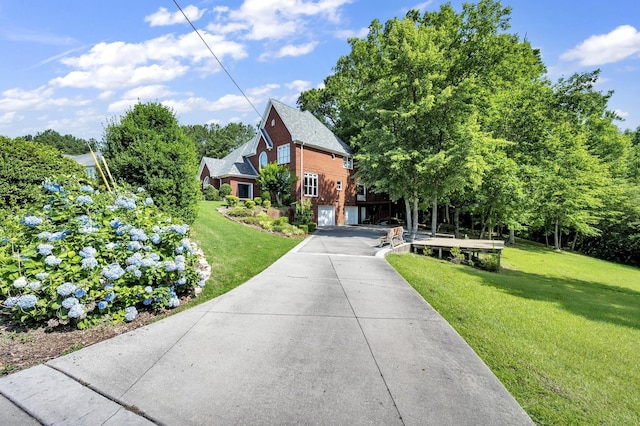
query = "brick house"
x=321 y=161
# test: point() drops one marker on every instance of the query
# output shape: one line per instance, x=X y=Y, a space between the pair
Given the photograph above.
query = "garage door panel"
x=326 y=215
x=351 y=215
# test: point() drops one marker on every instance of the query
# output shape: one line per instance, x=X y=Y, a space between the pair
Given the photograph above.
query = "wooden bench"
x=393 y=237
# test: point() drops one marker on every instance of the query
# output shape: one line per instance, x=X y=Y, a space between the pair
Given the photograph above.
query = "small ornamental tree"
x=277 y=180
x=148 y=148
x=89 y=256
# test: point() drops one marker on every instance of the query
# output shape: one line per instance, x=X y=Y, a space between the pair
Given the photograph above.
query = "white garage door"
x=350 y=215
x=326 y=215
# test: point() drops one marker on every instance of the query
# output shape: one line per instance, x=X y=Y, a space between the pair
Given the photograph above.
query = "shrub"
x=87 y=256
x=304 y=228
x=147 y=147
x=258 y=201
x=266 y=204
x=232 y=200
x=249 y=204
x=265 y=195
x=456 y=255
x=237 y=211
x=23 y=167
x=304 y=212
x=312 y=226
x=225 y=190
x=211 y=193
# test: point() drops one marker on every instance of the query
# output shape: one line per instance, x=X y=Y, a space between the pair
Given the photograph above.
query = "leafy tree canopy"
x=148 y=148
x=67 y=144
x=277 y=179
x=215 y=141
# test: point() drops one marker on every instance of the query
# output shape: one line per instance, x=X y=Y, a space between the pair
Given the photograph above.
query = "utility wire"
x=214 y=55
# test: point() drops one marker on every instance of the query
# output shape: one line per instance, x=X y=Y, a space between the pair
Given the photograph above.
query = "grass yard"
x=560 y=330
x=235 y=252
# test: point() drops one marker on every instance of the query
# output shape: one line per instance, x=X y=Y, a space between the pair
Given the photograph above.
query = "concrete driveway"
x=329 y=334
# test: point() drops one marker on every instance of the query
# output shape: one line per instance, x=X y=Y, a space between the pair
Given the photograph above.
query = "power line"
x=214 y=55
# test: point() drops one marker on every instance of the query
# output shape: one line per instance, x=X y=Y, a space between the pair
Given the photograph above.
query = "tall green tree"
x=148 y=148
x=67 y=144
x=277 y=180
x=408 y=95
x=216 y=141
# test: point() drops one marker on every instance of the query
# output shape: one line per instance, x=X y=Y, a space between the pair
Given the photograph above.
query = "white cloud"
x=299 y=85
x=621 y=114
x=290 y=50
x=150 y=92
x=106 y=95
x=35 y=100
x=35 y=36
x=274 y=19
x=346 y=34
x=163 y=17
x=622 y=42
x=10 y=117
x=118 y=64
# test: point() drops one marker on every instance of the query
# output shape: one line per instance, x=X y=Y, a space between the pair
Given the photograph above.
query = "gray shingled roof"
x=234 y=164
x=84 y=159
x=304 y=127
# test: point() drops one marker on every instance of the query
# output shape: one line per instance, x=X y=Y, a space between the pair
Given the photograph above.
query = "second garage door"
x=326 y=215
x=351 y=215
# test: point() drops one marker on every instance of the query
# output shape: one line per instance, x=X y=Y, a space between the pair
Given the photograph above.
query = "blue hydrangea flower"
x=179 y=229
x=84 y=199
x=66 y=289
x=134 y=259
x=45 y=235
x=170 y=266
x=115 y=223
x=80 y=293
x=27 y=301
x=89 y=263
x=138 y=234
x=130 y=313
x=51 y=260
x=140 y=189
x=181 y=281
x=51 y=187
x=83 y=219
x=154 y=256
x=45 y=249
x=174 y=302
x=123 y=229
x=110 y=297
x=110 y=246
x=180 y=259
x=202 y=283
x=148 y=289
x=42 y=276
x=89 y=229
x=69 y=302
x=148 y=262
x=34 y=285
x=113 y=271
x=137 y=273
x=31 y=221
x=148 y=201
x=134 y=245
x=57 y=236
x=147 y=301
x=88 y=252
x=179 y=249
x=10 y=301
x=76 y=311
x=20 y=282
x=103 y=304
x=46 y=207
x=126 y=203
x=155 y=238
x=86 y=188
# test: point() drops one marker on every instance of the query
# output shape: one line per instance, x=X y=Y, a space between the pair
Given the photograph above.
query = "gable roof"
x=83 y=159
x=307 y=129
x=234 y=164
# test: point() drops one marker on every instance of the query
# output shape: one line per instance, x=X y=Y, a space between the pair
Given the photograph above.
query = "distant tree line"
x=450 y=112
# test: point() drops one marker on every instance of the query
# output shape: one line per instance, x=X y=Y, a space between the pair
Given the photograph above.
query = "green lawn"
x=235 y=252
x=560 y=330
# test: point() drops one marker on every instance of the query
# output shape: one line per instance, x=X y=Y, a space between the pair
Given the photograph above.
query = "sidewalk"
x=317 y=338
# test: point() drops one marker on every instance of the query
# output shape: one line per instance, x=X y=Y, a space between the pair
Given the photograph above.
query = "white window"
x=245 y=191
x=361 y=193
x=347 y=163
x=284 y=154
x=262 y=160
x=273 y=122
x=311 y=184
x=339 y=185
x=206 y=182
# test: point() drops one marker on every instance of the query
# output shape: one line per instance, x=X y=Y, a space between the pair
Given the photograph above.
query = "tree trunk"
x=512 y=237
x=556 y=239
x=414 y=228
x=434 y=215
x=408 y=212
x=278 y=201
x=575 y=240
x=456 y=219
x=484 y=223
x=447 y=218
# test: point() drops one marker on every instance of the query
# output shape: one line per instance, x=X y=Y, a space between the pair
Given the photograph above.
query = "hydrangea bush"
x=90 y=255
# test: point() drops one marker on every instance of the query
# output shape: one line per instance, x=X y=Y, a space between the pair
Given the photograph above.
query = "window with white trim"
x=311 y=184
x=245 y=191
x=206 y=182
x=284 y=154
x=361 y=192
x=339 y=185
x=262 y=160
x=347 y=163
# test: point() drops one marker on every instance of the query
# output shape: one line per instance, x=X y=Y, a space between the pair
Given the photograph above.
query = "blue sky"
x=73 y=66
